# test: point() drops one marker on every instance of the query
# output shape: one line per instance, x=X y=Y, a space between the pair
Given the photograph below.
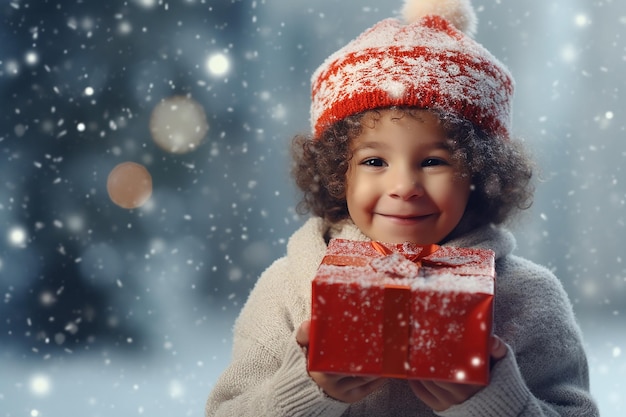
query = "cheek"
x=354 y=198
x=452 y=196
x=358 y=193
x=460 y=197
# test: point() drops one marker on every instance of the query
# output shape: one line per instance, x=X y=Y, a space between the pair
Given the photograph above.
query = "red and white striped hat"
x=429 y=62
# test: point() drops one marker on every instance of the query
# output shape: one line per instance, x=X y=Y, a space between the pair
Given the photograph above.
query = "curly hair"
x=500 y=169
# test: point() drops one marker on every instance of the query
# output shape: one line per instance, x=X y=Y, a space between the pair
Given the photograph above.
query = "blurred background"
x=113 y=306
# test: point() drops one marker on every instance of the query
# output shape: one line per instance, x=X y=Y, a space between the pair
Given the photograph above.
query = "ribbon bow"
x=394 y=264
x=400 y=265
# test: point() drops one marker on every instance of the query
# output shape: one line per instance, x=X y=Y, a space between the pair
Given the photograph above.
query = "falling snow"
x=128 y=309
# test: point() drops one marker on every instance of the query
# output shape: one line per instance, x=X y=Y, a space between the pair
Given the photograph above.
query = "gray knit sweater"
x=543 y=374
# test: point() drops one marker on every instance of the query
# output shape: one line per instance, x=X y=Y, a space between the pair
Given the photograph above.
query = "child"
x=412 y=143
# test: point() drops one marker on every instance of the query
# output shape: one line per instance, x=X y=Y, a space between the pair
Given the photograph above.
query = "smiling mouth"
x=406 y=218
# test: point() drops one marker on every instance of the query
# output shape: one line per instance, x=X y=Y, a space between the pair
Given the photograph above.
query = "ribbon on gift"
x=397 y=303
x=400 y=265
x=417 y=258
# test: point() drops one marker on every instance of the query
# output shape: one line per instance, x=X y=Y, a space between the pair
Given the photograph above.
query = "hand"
x=344 y=388
x=442 y=395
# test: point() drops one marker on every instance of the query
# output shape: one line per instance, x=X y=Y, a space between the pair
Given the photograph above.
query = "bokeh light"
x=129 y=185
x=178 y=124
x=40 y=385
x=582 y=20
x=31 y=58
x=17 y=236
x=147 y=4
x=218 y=64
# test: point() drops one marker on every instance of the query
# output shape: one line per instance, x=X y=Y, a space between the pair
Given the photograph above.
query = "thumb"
x=498 y=348
x=302 y=335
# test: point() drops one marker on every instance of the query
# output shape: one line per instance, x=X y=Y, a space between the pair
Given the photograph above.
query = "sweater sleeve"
x=545 y=371
x=267 y=375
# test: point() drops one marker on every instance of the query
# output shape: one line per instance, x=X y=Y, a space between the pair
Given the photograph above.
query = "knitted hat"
x=429 y=62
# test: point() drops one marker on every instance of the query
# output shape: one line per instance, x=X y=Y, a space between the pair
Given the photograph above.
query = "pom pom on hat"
x=459 y=13
x=427 y=62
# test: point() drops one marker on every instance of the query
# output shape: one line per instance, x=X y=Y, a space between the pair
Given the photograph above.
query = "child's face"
x=401 y=184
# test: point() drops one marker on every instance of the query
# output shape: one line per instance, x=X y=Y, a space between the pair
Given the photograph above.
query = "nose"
x=405 y=184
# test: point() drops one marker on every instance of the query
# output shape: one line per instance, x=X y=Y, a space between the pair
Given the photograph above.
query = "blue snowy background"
x=107 y=311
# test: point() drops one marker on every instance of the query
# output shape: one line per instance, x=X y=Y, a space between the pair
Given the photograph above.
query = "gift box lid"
x=439 y=267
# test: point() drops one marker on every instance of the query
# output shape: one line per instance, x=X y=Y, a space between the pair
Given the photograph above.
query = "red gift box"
x=403 y=311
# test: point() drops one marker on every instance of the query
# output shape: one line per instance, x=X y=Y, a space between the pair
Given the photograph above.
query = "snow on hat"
x=429 y=62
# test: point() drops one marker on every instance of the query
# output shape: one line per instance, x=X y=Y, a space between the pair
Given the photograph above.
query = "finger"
x=442 y=395
x=324 y=379
x=352 y=389
x=302 y=335
x=369 y=387
x=344 y=383
x=427 y=397
x=451 y=392
x=346 y=388
x=350 y=382
x=498 y=348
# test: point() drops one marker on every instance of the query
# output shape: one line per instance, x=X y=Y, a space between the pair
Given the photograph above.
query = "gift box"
x=403 y=311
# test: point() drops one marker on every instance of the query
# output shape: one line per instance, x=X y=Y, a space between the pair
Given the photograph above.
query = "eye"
x=432 y=162
x=373 y=162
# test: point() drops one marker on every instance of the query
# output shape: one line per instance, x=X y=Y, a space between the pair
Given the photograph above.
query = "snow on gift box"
x=403 y=311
